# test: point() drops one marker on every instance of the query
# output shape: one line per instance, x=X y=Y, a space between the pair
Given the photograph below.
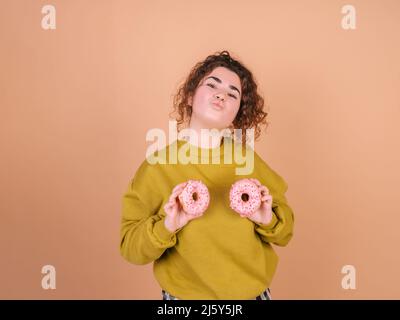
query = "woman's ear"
x=190 y=101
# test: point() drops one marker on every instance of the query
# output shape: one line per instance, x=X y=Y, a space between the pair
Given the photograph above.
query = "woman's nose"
x=220 y=96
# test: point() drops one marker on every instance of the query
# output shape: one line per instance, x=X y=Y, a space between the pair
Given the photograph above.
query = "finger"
x=267 y=198
x=172 y=201
x=176 y=193
x=174 y=204
x=169 y=205
x=264 y=190
x=183 y=184
x=175 y=188
x=170 y=209
x=173 y=197
x=179 y=187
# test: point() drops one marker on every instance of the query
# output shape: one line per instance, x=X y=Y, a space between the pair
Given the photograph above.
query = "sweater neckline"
x=205 y=153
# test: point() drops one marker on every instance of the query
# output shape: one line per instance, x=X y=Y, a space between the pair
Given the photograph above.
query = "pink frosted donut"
x=245 y=197
x=195 y=197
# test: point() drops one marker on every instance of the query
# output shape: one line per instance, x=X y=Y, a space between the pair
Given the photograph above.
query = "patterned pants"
x=265 y=295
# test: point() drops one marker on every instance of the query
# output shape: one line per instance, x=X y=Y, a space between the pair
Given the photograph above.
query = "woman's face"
x=216 y=100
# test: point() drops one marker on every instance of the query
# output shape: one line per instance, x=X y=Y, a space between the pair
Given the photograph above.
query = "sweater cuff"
x=161 y=231
x=270 y=226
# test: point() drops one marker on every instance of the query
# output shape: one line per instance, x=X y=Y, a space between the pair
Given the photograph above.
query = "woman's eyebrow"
x=219 y=81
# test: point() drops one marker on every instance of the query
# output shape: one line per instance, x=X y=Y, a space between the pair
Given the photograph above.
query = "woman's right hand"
x=176 y=216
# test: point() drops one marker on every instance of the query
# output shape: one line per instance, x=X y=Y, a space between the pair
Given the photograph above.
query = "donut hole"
x=245 y=197
x=195 y=196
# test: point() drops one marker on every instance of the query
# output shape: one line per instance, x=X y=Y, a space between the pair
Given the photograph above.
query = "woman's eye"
x=213 y=86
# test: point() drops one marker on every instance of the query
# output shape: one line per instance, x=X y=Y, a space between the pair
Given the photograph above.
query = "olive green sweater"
x=217 y=256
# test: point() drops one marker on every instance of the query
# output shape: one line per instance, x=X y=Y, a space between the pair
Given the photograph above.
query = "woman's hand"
x=263 y=214
x=176 y=216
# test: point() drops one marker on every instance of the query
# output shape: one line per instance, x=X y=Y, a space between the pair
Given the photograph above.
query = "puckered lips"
x=217 y=105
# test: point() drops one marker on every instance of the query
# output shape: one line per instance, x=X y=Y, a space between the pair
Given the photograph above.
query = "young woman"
x=217 y=253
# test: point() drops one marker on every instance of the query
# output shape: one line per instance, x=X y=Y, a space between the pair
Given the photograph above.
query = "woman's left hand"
x=263 y=214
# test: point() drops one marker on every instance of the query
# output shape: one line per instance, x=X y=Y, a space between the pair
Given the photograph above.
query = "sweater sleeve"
x=143 y=235
x=280 y=229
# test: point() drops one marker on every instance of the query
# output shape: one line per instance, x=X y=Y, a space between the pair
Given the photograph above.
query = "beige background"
x=76 y=103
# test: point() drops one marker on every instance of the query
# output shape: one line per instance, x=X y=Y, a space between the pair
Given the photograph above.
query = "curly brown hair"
x=250 y=113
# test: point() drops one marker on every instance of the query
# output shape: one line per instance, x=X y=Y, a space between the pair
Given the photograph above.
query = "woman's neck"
x=206 y=139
